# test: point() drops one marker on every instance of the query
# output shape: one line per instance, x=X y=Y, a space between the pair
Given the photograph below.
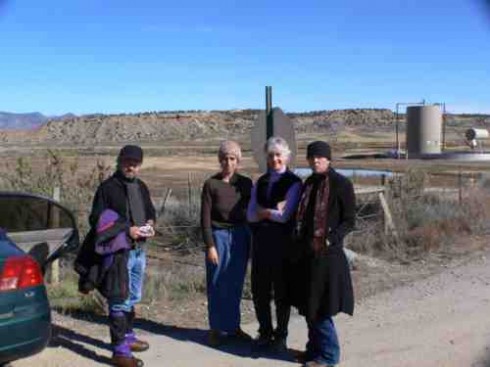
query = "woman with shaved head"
x=224 y=202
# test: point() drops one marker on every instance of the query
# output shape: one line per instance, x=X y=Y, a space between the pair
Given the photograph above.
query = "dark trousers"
x=269 y=281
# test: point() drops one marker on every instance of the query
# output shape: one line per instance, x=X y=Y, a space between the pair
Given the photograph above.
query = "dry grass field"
x=77 y=154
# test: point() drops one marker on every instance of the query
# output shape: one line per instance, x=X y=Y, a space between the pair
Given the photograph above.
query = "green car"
x=34 y=231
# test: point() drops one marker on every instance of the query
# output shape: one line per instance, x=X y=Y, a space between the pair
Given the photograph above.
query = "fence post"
x=460 y=186
x=389 y=223
x=55 y=266
x=189 y=191
x=161 y=208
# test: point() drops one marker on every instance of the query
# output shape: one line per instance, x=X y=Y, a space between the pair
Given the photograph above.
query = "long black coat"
x=112 y=282
x=111 y=194
x=321 y=283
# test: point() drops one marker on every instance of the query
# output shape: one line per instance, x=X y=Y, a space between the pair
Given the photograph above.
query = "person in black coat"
x=129 y=197
x=321 y=285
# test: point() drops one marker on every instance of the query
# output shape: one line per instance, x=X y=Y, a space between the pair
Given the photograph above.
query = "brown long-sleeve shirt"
x=224 y=204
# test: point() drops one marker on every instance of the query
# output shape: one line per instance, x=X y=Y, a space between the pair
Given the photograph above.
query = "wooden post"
x=460 y=186
x=55 y=266
x=161 y=208
x=189 y=191
x=389 y=224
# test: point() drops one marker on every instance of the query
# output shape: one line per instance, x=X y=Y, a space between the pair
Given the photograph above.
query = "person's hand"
x=264 y=214
x=134 y=232
x=213 y=255
x=281 y=205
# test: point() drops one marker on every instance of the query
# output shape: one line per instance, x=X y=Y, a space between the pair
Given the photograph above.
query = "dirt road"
x=440 y=321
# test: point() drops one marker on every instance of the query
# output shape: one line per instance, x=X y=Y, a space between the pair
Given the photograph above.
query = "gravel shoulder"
x=433 y=313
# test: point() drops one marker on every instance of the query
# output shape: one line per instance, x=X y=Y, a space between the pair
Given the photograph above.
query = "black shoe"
x=300 y=356
x=215 y=339
x=317 y=364
x=263 y=340
x=240 y=335
x=279 y=345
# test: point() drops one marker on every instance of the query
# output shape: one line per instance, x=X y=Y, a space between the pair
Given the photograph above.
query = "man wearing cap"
x=322 y=284
x=129 y=197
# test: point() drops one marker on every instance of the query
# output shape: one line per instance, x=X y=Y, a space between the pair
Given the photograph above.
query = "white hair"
x=277 y=144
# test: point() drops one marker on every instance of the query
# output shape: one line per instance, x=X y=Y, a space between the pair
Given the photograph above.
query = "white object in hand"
x=146 y=230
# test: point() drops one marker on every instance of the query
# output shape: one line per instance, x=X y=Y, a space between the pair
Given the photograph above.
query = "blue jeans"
x=136 y=269
x=225 y=280
x=323 y=344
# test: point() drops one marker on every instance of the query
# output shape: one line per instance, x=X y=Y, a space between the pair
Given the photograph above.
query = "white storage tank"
x=476 y=134
x=424 y=130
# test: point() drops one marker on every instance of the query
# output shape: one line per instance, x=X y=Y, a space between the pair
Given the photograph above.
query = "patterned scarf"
x=321 y=210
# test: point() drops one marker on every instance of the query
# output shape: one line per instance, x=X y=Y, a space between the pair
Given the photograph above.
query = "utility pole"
x=268 y=113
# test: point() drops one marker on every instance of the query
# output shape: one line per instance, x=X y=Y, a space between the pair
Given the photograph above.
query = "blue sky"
x=108 y=56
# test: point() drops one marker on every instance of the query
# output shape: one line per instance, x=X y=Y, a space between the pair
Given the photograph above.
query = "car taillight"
x=20 y=272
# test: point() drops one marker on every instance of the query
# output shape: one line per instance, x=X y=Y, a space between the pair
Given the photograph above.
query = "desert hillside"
x=193 y=125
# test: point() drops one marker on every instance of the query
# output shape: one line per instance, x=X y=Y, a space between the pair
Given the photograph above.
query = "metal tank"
x=424 y=128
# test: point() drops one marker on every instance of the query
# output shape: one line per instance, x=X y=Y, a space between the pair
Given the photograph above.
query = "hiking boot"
x=125 y=361
x=135 y=344
x=138 y=345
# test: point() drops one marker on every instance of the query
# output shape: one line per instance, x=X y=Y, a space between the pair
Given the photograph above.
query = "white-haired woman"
x=224 y=201
x=272 y=208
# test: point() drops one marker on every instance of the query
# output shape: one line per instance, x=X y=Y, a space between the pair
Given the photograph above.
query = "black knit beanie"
x=319 y=149
x=131 y=152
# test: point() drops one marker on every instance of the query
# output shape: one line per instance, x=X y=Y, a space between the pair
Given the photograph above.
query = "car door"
x=38 y=225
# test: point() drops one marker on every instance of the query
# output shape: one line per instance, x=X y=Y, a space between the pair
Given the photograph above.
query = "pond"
x=304 y=172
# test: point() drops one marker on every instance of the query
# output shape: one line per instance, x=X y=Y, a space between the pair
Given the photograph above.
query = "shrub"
x=65 y=298
x=77 y=186
x=180 y=224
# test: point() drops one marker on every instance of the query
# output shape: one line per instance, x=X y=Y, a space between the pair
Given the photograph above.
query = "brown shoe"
x=139 y=346
x=122 y=361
